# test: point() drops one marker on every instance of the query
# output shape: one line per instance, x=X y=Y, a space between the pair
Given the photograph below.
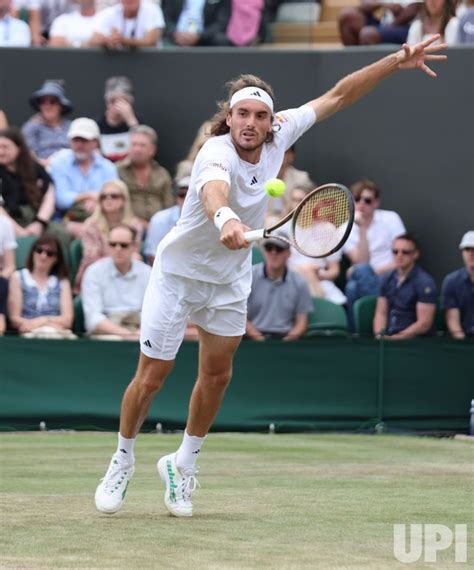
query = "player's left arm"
x=214 y=196
x=354 y=86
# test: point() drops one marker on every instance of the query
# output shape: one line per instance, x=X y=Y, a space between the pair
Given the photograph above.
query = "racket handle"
x=254 y=235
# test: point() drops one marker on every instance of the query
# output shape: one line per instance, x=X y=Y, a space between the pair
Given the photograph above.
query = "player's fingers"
x=436 y=57
x=437 y=47
x=430 y=40
x=428 y=71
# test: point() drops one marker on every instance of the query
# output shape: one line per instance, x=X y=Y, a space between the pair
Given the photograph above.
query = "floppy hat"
x=52 y=89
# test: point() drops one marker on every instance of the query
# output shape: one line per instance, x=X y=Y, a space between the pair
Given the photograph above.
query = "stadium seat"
x=75 y=256
x=327 y=318
x=23 y=249
x=257 y=256
x=79 y=327
x=364 y=310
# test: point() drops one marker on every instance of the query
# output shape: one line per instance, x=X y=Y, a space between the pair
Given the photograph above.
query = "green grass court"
x=267 y=501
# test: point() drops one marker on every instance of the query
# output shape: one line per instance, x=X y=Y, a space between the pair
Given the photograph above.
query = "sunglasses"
x=49 y=252
x=276 y=248
x=404 y=251
x=182 y=194
x=112 y=196
x=120 y=244
x=48 y=101
x=367 y=201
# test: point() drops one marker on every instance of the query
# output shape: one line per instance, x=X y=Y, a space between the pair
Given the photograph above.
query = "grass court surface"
x=267 y=501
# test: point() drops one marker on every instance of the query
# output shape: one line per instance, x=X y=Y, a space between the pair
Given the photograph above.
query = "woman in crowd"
x=39 y=296
x=436 y=17
x=114 y=208
x=26 y=187
x=46 y=131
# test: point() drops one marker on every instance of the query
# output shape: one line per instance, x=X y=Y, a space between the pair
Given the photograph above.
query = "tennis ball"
x=275 y=187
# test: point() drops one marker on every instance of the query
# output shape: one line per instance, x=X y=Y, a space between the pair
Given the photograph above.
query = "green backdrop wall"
x=413 y=135
x=312 y=384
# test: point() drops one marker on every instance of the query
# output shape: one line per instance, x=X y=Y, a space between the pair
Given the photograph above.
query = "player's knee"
x=369 y=35
x=217 y=381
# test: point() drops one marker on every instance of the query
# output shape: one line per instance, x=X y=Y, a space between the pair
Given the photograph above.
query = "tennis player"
x=202 y=271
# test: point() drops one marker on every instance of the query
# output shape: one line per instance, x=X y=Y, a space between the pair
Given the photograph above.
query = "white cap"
x=84 y=128
x=467 y=240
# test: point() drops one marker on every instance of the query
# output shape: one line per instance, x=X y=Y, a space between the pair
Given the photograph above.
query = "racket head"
x=322 y=221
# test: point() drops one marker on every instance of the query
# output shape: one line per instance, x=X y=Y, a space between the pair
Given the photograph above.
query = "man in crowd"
x=162 y=222
x=458 y=292
x=79 y=173
x=280 y=301
x=113 y=289
x=74 y=29
x=406 y=304
x=148 y=182
x=13 y=32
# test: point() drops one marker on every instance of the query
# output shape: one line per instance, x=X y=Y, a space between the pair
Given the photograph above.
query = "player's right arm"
x=214 y=196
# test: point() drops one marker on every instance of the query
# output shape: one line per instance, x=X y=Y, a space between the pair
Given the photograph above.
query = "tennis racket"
x=320 y=224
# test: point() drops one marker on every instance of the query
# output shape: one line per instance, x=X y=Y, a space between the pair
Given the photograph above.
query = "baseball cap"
x=467 y=240
x=84 y=128
x=273 y=239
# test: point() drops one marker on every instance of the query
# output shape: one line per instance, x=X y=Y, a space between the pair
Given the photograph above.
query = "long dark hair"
x=51 y=241
x=448 y=13
x=25 y=167
x=218 y=121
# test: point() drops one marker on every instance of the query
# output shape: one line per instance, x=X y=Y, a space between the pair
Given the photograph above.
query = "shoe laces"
x=115 y=476
x=188 y=485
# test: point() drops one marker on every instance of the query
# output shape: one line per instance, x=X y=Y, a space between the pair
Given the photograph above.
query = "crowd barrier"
x=312 y=384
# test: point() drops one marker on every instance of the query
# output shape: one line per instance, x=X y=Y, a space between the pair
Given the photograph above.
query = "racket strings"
x=321 y=222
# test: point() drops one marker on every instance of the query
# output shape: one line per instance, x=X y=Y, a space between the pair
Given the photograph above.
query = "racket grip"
x=254 y=235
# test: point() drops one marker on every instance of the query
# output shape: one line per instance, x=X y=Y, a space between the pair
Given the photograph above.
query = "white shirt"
x=192 y=248
x=104 y=290
x=14 y=32
x=74 y=27
x=7 y=237
x=385 y=227
x=415 y=33
x=191 y=18
x=149 y=17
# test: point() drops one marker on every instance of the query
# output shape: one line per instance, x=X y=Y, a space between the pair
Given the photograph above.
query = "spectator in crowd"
x=247 y=23
x=148 y=182
x=196 y=23
x=436 y=17
x=13 y=32
x=466 y=24
x=293 y=178
x=113 y=209
x=369 y=246
x=41 y=14
x=26 y=187
x=458 y=292
x=79 y=173
x=184 y=167
x=74 y=29
x=40 y=298
x=279 y=302
x=362 y=25
x=118 y=119
x=46 y=131
x=129 y=24
x=113 y=289
x=406 y=303
x=162 y=222
x=3 y=120
x=7 y=264
x=319 y=274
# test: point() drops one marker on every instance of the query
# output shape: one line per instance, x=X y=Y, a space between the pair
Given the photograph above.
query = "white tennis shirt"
x=192 y=248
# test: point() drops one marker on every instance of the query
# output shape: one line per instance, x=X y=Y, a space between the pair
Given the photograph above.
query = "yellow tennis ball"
x=275 y=187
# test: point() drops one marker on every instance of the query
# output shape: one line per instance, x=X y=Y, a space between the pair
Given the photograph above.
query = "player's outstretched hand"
x=411 y=57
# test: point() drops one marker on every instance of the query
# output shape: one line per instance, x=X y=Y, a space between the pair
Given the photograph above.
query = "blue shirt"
x=69 y=181
x=418 y=287
x=457 y=292
x=14 y=32
x=44 y=139
x=160 y=224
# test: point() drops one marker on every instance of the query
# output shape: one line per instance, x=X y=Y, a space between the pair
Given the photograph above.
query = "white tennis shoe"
x=110 y=493
x=179 y=486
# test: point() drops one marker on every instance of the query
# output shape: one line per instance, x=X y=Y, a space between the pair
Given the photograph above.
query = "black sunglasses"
x=120 y=244
x=404 y=251
x=112 y=196
x=271 y=247
x=49 y=252
x=367 y=201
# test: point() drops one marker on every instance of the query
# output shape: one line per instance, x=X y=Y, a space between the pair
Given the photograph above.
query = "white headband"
x=254 y=93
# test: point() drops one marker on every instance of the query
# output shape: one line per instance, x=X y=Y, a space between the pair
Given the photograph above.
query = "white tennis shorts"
x=171 y=301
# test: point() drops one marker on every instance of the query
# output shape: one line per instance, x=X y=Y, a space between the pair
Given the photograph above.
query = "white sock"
x=188 y=451
x=125 y=449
